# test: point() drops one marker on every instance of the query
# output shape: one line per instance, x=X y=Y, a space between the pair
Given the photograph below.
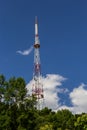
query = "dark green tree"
x=15 y=90
x=2 y=87
x=62 y=119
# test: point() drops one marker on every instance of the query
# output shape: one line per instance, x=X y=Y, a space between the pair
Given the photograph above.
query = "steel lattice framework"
x=37 y=88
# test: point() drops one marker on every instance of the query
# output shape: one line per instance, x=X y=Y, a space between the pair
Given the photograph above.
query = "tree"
x=62 y=119
x=20 y=89
x=2 y=87
x=11 y=93
x=18 y=112
x=15 y=90
x=81 y=122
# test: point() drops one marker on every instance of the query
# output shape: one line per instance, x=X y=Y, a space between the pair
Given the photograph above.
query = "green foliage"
x=18 y=112
x=62 y=119
x=46 y=127
x=2 y=87
x=81 y=122
x=15 y=90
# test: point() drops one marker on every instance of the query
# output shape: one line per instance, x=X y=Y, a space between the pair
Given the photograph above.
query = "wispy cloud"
x=25 y=52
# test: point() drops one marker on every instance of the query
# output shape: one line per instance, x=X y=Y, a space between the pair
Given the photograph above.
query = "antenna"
x=37 y=88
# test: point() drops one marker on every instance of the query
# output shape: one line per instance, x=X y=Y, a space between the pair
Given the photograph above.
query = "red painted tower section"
x=37 y=88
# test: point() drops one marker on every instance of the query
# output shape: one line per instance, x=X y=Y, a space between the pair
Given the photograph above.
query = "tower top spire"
x=36 y=20
x=36 y=26
x=37 y=43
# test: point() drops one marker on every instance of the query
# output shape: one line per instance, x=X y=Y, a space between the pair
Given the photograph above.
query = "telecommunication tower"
x=37 y=88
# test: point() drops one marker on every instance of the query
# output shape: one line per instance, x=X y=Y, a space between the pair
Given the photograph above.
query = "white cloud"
x=78 y=98
x=51 y=85
x=25 y=52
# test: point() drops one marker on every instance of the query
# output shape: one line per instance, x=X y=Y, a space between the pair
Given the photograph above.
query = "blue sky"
x=63 y=39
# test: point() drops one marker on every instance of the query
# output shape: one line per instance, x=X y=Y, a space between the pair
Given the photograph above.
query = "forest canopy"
x=18 y=111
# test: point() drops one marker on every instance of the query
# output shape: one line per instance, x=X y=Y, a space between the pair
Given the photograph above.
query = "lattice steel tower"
x=37 y=88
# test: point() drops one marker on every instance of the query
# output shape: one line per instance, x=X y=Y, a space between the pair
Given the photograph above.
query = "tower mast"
x=37 y=88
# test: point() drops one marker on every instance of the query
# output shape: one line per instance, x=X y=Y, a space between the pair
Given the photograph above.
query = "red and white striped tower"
x=37 y=88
